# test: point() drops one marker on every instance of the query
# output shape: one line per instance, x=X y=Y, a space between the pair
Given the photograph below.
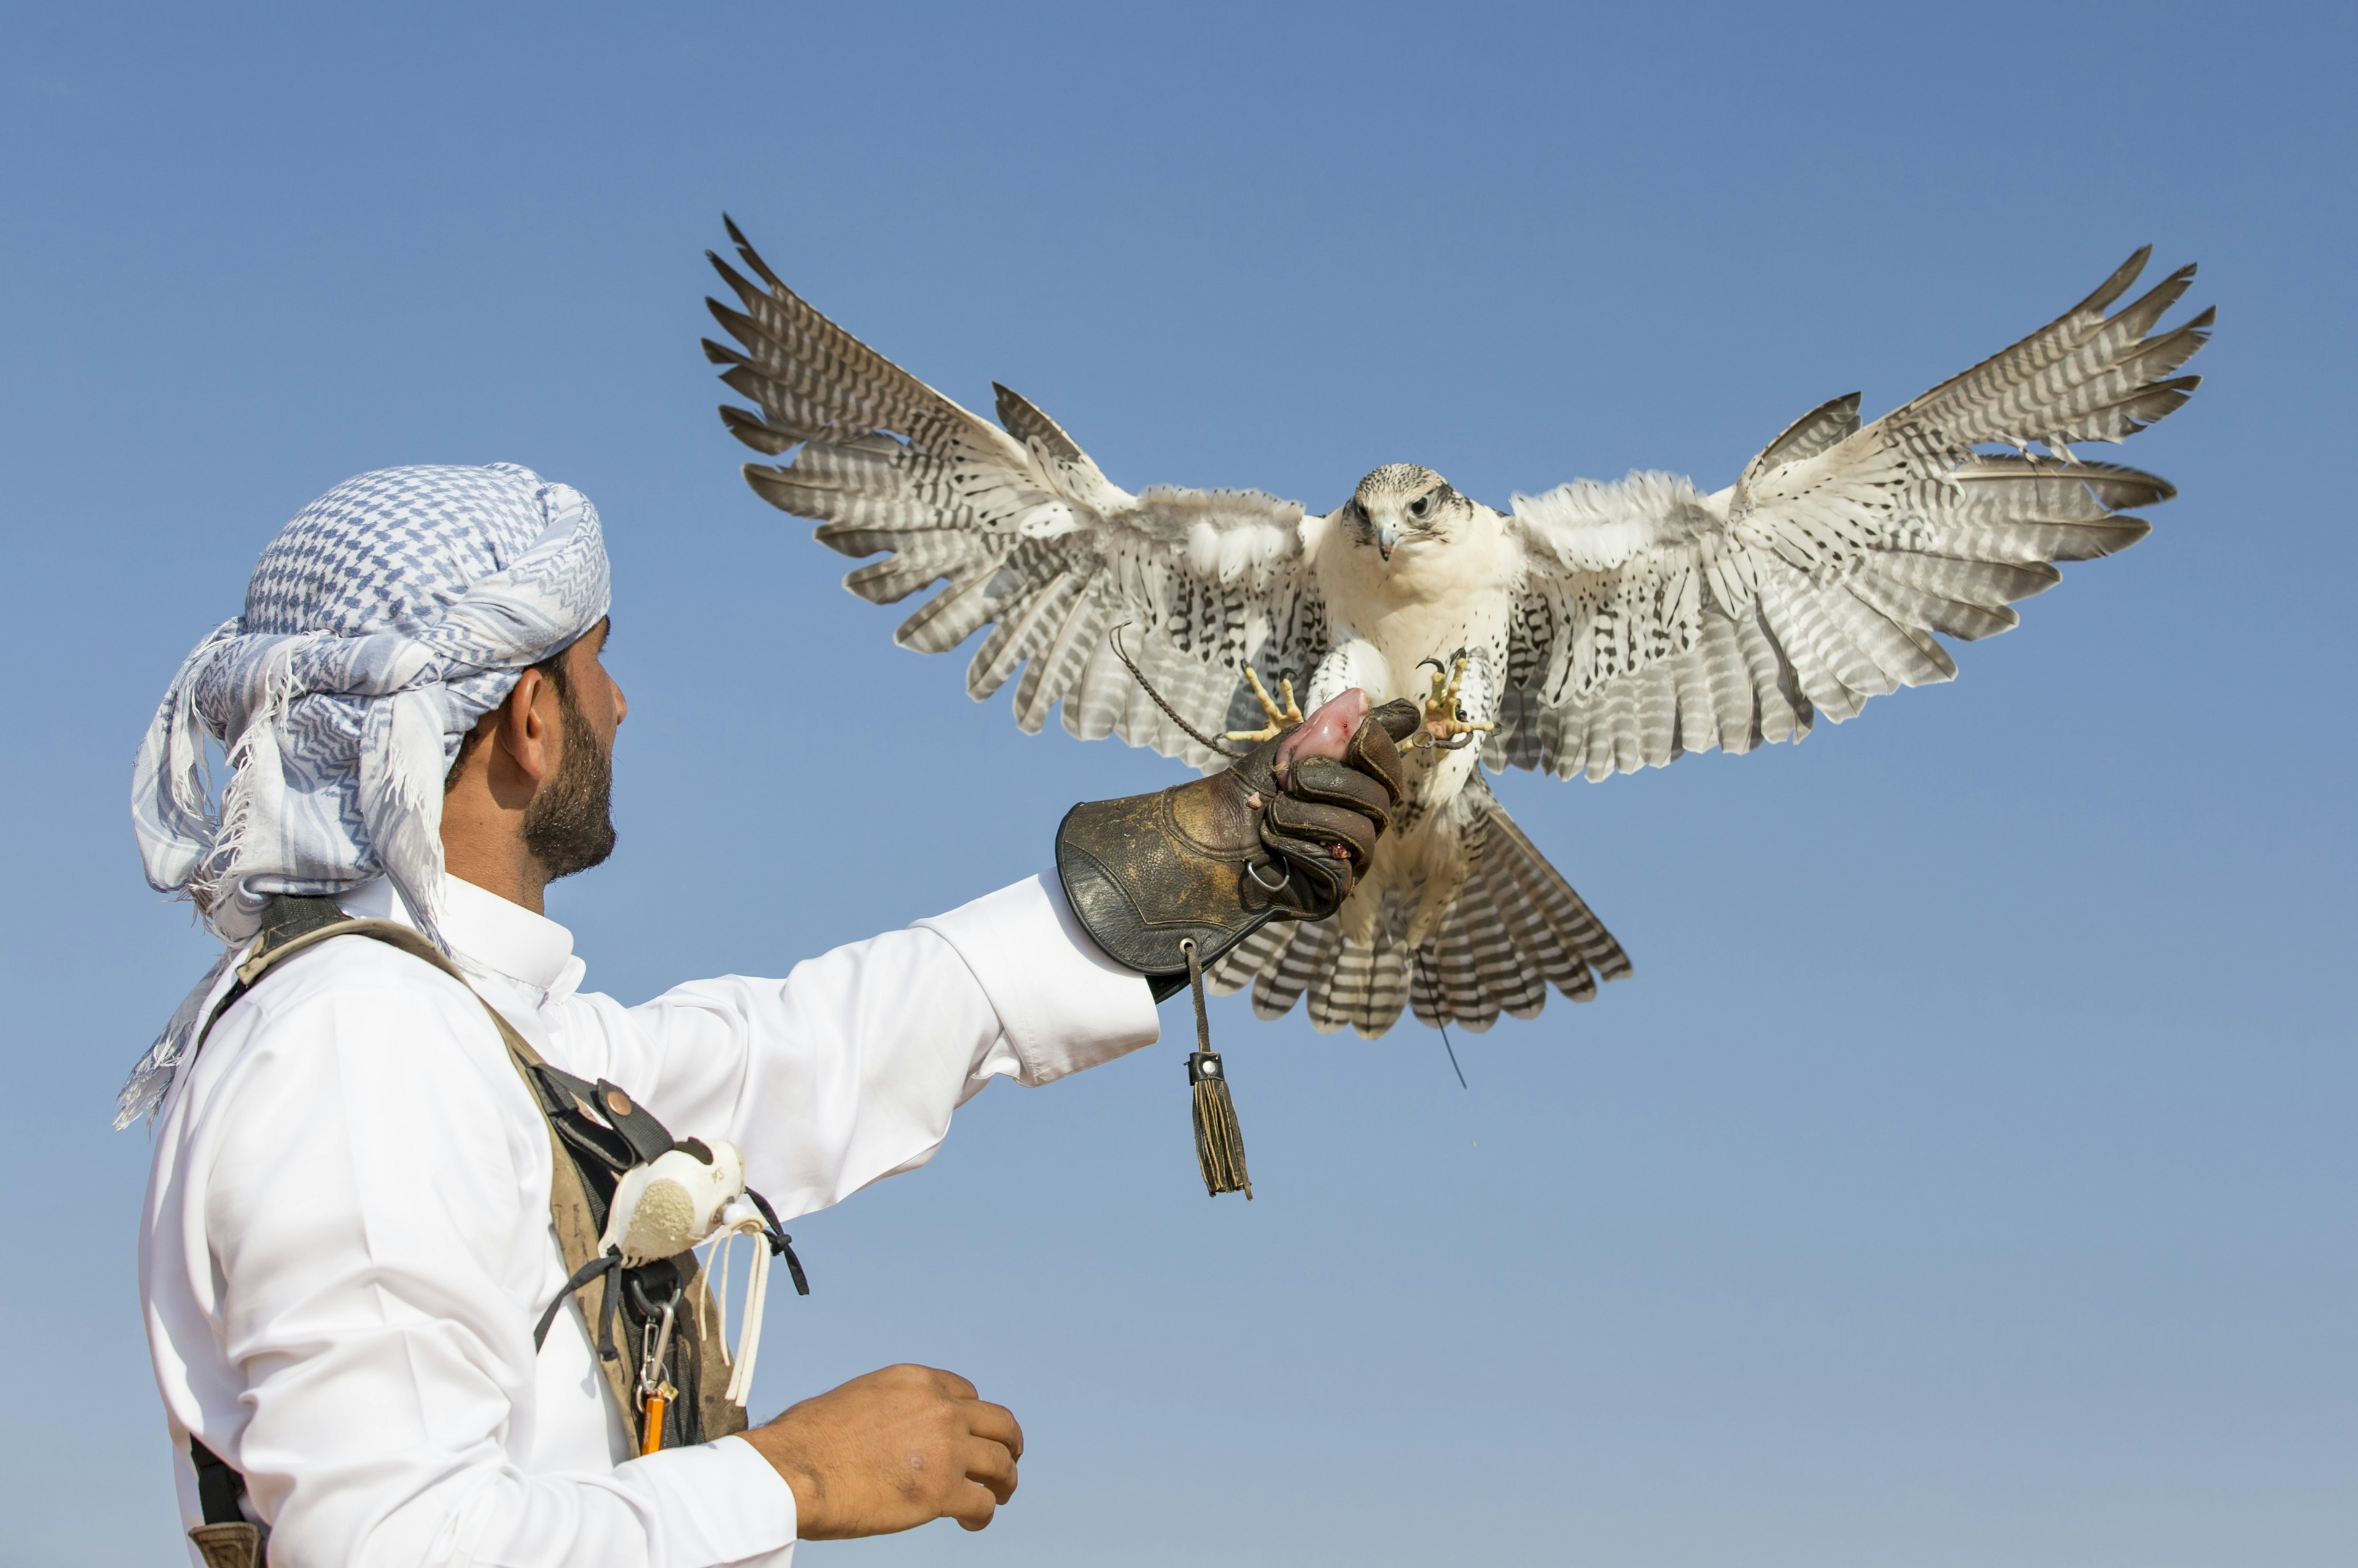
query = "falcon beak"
x=1386 y=536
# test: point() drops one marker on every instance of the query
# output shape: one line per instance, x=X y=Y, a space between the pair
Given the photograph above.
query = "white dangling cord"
x=748 y=1331
x=757 y=1289
x=715 y=1292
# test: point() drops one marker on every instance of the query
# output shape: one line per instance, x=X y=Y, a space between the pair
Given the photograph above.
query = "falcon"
x=1592 y=630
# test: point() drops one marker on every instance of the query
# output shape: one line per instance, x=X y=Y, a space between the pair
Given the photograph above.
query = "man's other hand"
x=891 y=1451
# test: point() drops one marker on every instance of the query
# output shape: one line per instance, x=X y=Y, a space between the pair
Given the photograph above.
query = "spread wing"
x=1655 y=620
x=1030 y=537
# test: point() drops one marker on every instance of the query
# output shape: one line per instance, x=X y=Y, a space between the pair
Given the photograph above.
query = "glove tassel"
x=1219 y=1141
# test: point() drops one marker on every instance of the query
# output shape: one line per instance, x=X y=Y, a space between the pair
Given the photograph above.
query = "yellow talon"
x=1280 y=719
x=1443 y=719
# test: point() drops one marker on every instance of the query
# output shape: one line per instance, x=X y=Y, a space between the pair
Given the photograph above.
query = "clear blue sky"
x=1966 y=1174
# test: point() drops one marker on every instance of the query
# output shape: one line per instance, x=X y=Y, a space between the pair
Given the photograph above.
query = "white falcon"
x=1592 y=630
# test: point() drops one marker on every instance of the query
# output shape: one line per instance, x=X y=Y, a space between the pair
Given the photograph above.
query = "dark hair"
x=553 y=670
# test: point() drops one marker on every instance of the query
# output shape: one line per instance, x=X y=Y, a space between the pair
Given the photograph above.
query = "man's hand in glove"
x=1281 y=835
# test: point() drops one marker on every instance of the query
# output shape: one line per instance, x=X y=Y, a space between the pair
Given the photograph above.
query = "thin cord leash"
x=1425 y=969
x=1169 y=712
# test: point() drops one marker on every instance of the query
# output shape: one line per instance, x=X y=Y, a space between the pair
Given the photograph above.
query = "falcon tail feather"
x=1516 y=928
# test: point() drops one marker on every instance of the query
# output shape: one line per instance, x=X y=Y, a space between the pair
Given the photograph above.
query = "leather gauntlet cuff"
x=1140 y=883
x=1214 y=860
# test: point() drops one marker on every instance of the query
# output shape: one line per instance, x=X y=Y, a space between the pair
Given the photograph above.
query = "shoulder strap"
x=308 y=932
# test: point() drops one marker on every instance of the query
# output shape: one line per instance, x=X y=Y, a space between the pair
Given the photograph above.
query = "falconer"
x=410 y=1291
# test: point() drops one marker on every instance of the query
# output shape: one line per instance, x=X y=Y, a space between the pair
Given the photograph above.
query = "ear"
x=526 y=731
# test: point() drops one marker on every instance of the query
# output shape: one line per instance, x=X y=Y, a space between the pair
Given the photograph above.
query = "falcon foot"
x=1280 y=719
x=1446 y=727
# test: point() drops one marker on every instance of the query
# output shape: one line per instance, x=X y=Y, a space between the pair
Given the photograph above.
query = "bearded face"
x=569 y=826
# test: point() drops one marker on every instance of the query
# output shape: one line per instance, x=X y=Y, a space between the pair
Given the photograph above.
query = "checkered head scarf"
x=380 y=624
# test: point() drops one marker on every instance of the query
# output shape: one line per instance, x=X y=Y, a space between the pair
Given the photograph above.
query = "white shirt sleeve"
x=848 y=1070
x=361 y=1209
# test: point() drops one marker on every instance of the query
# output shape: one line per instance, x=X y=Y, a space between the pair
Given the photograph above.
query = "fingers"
x=1375 y=748
x=1328 y=815
x=973 y=1506
x=1398 y=719
x=1313 y=879
x=991 y=1465
x=996 y=1423
x=990 y=1481
x=992 y=1422
x=995 y=1441
x=1334 y=784
x=1314 y=824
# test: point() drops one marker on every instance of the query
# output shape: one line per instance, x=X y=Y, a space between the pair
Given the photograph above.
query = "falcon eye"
x=1416 y=508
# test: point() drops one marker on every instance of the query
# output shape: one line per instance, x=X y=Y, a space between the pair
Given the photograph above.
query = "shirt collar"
x=484 y=931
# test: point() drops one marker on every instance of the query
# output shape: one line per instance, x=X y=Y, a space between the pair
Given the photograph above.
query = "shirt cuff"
x=722 y=1502
x=1061 y=1004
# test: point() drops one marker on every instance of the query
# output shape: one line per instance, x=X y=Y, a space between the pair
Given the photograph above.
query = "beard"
x=569 y=824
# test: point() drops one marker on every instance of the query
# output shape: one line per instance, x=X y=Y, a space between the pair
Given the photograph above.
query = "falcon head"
x=1401 y=502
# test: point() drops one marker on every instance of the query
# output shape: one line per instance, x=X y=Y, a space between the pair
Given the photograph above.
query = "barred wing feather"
x=1654 y=620
x=1028 y=536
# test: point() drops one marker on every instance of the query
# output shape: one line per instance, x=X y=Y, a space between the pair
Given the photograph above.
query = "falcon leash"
x=1113 y=639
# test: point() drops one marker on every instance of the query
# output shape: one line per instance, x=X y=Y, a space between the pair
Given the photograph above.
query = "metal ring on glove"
x=1278 y=886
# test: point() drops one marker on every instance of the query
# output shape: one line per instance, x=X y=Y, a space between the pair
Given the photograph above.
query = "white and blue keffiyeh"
x=380 y=624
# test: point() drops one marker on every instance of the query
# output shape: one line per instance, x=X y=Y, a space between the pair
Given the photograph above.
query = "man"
x=348 y=1234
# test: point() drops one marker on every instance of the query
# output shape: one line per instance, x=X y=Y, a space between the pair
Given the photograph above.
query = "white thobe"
x=346 y=1239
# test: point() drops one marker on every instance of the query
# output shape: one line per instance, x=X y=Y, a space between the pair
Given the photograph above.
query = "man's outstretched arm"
x=848 y=1069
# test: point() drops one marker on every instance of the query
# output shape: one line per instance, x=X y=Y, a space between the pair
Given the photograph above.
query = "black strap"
x=781 y=1244
x=600 y=1154
x=643 y=1137
x=581 y=1276
x=286 y=917
x=649 y=1139
x=219 y=1487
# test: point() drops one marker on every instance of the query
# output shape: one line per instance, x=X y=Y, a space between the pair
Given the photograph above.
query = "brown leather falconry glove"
x=1216 y=859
